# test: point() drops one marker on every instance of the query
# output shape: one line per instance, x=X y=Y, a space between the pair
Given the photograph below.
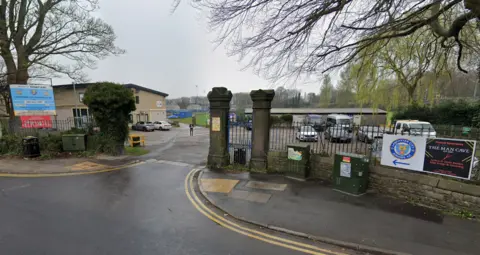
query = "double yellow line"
x=275 y=240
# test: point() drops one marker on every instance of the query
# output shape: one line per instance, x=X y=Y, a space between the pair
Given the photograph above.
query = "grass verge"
x=136 y=151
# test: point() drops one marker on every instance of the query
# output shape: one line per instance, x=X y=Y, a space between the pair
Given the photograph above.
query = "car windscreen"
x=343 y=121
x=421 y=126
x=315 y=119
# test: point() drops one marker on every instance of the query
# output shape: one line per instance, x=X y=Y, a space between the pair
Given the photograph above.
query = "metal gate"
x=240 y=142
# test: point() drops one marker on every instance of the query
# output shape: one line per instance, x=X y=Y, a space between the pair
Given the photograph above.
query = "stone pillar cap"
x=262 y=95
x=219 y=94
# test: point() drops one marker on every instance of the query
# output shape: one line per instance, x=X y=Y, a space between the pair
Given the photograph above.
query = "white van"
x=338 y=119
x=414 y=127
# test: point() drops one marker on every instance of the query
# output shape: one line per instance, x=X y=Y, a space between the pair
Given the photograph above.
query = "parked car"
x=414 y=127
x=367 y=134
x=143 y=126
x=162 y=125
x=316 y=122
x=338 y=119
x=306 y=134
x=249 y=125
x=339 y=133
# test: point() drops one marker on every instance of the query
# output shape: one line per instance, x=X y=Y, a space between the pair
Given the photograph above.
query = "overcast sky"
x=169 y=52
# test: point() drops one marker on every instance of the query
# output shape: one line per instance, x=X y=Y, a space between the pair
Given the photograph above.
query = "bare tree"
x=282 y=38
x=183 y=102
x=58 y=35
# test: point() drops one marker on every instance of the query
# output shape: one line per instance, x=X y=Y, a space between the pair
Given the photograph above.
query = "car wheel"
x=145 y=129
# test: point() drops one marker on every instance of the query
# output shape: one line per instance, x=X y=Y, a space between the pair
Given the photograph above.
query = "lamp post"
x=196 y=99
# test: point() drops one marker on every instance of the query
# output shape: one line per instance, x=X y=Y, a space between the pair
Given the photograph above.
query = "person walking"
x=191 y=129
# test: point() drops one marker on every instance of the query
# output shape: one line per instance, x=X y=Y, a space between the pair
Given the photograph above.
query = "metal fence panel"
x=363 y=139
x=239 y=142
x=51 y=126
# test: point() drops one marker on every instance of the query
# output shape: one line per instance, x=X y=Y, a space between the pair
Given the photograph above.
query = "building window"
x=137 y=99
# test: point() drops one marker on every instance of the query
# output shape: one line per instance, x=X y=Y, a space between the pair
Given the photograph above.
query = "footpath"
x=370 y=222
x=65 y=165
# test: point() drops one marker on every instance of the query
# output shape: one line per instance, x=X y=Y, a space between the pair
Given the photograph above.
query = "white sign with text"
x=403 y=151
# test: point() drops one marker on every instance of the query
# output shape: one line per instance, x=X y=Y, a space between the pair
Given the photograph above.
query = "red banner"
x=36 y=121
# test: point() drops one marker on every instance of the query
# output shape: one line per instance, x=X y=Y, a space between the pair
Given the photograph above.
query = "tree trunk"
x=15 y=76
x=411 y=96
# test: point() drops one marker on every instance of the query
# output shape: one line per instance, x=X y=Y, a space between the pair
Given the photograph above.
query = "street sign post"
x=29 y=99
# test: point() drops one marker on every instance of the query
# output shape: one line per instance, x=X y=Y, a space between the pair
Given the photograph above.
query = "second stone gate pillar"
x=262 y=103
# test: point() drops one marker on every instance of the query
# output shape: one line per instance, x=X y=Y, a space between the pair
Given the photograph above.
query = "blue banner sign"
x=29 y=99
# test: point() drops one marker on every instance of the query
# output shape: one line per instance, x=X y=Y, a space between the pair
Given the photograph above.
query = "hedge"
x=458 y=113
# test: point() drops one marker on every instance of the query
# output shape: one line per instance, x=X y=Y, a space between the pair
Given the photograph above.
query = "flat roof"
x=322 y=111
x=128 y=85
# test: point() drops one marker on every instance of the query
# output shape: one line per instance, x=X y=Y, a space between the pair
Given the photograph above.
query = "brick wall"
x=433 y=191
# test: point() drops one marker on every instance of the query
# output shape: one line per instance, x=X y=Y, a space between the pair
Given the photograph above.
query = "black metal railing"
x=240 y=142
x=26 y=128
x=355 y=138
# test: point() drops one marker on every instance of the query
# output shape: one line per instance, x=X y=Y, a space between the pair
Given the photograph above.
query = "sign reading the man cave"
x=449 y=157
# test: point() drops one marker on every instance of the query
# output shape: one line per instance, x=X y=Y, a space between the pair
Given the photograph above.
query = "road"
x=144 y=209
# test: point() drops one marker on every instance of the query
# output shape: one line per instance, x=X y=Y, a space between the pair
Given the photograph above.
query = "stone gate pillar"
x=262 y=103
x=219 y=99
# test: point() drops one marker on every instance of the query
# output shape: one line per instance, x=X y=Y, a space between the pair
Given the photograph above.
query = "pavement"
x=148 y=208
x=315 y=210
x=64 y=165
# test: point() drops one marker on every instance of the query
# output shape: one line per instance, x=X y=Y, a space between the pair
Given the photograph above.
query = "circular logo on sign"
x=402 y=148
x=34 y=92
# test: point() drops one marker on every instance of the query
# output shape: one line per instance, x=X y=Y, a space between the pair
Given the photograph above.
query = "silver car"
x=340 y=133
x=367 y=134
x=144 y=126
x=307 y=134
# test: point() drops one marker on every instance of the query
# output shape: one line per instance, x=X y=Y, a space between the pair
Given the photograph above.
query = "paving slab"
x=218 y=185
x=266 y=185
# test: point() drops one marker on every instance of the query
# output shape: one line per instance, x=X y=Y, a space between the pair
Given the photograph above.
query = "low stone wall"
x=433 y=191
x=321 y=168
x=277 y=162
